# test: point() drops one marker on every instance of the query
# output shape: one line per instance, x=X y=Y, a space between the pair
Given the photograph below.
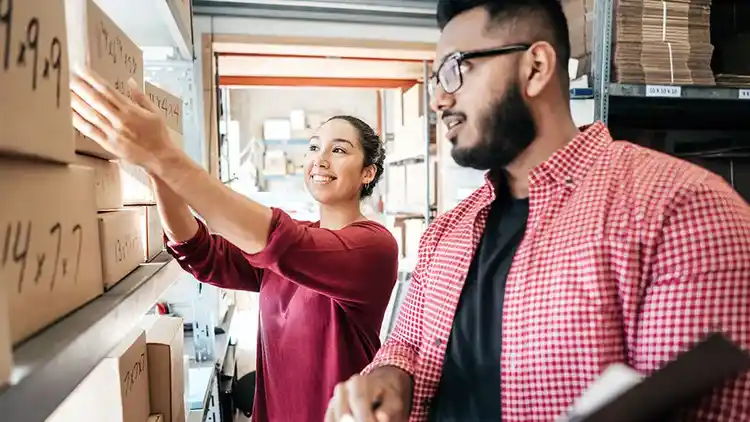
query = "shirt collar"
x=570 y=164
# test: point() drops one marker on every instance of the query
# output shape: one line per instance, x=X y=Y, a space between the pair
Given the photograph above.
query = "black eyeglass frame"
x=461 y=56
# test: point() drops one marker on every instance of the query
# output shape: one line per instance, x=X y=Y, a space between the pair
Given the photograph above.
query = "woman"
x=324 y=286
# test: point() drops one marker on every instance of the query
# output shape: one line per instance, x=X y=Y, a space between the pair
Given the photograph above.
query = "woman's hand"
x=132 y=130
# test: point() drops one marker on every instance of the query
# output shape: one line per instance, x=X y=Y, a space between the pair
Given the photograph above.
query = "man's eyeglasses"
x=449 y=75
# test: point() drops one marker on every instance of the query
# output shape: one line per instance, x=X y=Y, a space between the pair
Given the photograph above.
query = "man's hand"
x=383 y=396
x=132 y=130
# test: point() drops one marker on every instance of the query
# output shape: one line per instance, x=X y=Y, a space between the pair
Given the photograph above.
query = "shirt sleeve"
x=335 y=263
x=214 y=260
x=700 y=282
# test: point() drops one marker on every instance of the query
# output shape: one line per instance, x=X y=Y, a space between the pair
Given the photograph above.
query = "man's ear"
x=539 y=67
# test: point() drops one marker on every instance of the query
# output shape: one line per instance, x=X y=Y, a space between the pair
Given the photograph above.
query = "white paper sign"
x=744 y=94
x=666 y=91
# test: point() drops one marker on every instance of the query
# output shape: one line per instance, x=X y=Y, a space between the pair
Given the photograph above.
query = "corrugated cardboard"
x=580 y=15
x=151 y=231
x=116 y=390
x=6 y=345
x=107 y=182
x=95 y=41
x=136 y=185
x=49 y=233
x=165 y=338
x=169 y=105
x=36 y=88
x=154 y=233
x=122 y=244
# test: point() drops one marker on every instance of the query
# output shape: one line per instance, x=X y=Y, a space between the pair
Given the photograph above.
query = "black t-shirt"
x=469 y=388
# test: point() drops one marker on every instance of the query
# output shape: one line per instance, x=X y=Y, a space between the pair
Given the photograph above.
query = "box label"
x=665 y=91
x=169 y=105
x=112 y=54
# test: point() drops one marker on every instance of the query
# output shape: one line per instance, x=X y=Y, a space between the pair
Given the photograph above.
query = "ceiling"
x=391 y=12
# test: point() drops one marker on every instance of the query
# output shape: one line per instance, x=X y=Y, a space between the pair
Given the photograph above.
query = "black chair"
x=243 y=393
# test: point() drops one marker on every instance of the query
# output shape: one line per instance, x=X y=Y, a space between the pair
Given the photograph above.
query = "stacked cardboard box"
x=128 y=222
x=663 y=42
x=580 y=15
x=48 y=235
x=141 y=380
x=97 y=42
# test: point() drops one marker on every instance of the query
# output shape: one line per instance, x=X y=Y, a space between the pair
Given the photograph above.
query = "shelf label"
x=744 y=94
x=666 y=91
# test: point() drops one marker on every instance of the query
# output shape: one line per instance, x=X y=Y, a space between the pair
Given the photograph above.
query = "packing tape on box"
x=664 y=38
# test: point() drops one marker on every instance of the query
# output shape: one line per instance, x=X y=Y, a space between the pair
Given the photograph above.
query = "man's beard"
x=506 y=131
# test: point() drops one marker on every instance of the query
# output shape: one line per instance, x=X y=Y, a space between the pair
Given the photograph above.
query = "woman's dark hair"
x=373 y=148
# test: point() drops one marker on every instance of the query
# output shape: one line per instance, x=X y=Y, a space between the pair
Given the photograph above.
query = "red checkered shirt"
x=629 y=256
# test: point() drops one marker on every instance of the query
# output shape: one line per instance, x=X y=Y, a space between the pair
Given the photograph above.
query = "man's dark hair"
x=545 y=14
x=372 y=147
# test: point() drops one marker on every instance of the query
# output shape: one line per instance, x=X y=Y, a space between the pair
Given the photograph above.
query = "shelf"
x=49 y=366
x=199 y=387
x=154 y=23
x=679 y=92
x=678 y=108
x=409 y=157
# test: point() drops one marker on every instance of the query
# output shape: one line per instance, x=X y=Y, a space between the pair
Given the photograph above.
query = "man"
x=578 y=253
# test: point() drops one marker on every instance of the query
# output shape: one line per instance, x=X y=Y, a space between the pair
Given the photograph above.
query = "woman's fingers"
x=89 y=130
x=89 y=113
x=102 y=87
x=85 y=97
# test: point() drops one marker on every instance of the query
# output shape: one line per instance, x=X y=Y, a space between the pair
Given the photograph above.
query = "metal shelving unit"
x=49 y=366
x=706 y=101
x=422 y=157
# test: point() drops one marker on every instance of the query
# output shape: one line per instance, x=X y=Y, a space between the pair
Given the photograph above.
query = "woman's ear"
x=368 y=174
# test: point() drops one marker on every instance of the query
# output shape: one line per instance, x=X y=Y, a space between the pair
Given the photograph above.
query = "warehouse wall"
x=251 y=107
x=197 y=147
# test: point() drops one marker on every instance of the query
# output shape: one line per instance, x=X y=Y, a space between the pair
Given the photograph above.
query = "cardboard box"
x=277 y=129
x=95 y=41
x=274 y=162
x=136 y=185
x=580 y=15
x=6 y=345
x=165 y=339
x=121 y=242
x=151 y=232
x=170 y=107
x=156 y=418
x=35 y=108
x=116 y=390
x=48 y=221
x=107 y=181
x=413 y=103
